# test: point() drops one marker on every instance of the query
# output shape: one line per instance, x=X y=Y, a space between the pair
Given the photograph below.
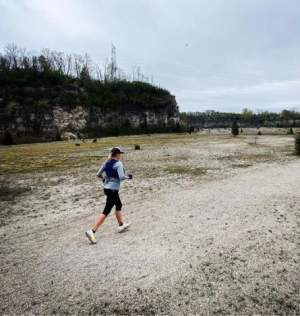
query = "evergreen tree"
x=235 y=128
x=297 y=144
x=7 y=139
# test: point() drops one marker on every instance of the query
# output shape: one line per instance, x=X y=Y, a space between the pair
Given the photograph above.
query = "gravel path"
x=227 y=246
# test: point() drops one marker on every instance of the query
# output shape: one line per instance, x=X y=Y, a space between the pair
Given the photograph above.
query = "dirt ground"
x=215 y=228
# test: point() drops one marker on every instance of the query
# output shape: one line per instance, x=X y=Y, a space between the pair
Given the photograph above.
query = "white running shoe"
x=91 y=236
x=123 y=227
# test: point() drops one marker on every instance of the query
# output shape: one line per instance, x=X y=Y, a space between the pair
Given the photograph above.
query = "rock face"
x=43 y=121
x=69 y=121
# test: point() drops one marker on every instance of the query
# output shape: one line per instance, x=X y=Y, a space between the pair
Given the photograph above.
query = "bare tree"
x=47 y=53
x=152 y=80
x=88 y=64
x=78 y=64
x=112 y=66
x=138 y=73
x=106 y=70
x=58 y=59
x=69 y=65
x=23 y=58
x=133 y=72
x=99 y=74
x=11 y=54
x=121 y=74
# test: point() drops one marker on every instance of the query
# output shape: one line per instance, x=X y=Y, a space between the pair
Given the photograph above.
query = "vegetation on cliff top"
x=56 y=78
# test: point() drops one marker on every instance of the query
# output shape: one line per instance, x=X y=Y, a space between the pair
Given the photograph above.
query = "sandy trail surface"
x=229 y=244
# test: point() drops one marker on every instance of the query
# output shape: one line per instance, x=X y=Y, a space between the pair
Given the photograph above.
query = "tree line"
x=14 y=58
x=76 y=80
x=246 y=118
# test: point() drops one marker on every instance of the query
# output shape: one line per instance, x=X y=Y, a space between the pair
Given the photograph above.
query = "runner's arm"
x=100 y=171
x=120 y=170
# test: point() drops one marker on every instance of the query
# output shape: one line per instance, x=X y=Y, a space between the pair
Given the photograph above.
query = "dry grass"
x=248 y=156
x=61 y=156
x=65 y=155
x=8 y=193
x=241 y=165
x=186 y=170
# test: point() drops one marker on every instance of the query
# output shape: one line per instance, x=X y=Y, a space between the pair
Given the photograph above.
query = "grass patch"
x=8 y=194
x=257 y=157
x=184 y=170
x=249 y=157
x=40 y=163
x=241 y=165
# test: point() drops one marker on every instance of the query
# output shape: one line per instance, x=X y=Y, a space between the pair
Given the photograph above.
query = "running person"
x=112 y=172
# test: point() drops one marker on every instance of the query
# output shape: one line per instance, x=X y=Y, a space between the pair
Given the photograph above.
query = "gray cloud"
x=212 y=54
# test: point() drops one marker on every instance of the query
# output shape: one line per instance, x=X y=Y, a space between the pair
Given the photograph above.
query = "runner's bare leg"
x=99 y=221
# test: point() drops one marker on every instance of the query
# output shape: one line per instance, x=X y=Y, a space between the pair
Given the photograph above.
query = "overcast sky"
x=211 y=54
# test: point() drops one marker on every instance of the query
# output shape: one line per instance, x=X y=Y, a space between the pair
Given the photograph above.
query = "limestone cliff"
x=43 y=114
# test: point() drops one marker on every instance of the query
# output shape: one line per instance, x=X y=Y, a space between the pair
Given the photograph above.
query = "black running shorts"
x=112 y=199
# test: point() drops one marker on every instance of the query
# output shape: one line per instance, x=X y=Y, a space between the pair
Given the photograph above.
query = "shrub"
x=297 y=144
x=290 y=131
x=235 y=128
x=58 y=136
x=7 y=139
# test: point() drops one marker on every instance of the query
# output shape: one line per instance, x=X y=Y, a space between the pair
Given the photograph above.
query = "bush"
x=58 y=137
x=7 y=139
x=235 y=128
x=297 y=144
x=290 y=131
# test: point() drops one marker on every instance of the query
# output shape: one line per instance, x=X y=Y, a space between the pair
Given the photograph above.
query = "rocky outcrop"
x=43 y=121
x=69 y=121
